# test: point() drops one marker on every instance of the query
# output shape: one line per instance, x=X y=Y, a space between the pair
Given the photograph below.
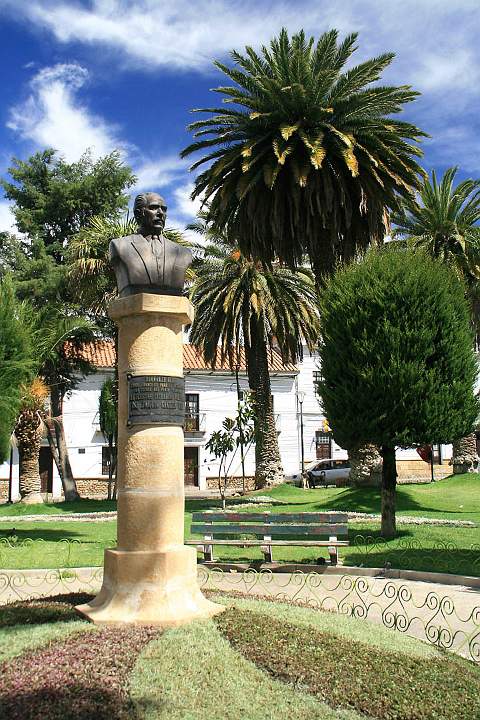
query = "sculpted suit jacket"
x=150 y=265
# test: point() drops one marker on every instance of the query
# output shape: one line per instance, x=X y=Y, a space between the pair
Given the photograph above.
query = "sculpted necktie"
x=156 y=244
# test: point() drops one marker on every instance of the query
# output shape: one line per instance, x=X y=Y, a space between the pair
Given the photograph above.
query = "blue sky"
x=124 y=74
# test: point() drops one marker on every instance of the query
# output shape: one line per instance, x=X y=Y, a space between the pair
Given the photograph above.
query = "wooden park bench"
x=303 y=529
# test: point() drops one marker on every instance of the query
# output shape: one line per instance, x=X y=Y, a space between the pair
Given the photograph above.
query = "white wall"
x=218 y=399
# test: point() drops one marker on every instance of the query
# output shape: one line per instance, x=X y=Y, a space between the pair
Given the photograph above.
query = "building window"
x=323 y=444
x=105 y=459
x=192 y=411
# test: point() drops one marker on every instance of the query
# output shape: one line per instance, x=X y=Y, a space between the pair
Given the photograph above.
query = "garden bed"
x=257 y=660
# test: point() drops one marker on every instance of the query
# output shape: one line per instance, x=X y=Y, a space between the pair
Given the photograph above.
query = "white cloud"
x=172 y=33
x=184 y=205
x=438 y=71
x=435 y=39
x=7 y=221
x=53 y=116
x=156 y=174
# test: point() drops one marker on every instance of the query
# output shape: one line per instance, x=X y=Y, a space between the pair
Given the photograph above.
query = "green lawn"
x=256 y=660
x=60 y=508
x=456 y=498
x=419 y=547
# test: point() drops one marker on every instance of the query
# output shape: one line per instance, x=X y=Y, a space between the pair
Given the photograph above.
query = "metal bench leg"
x=208 y=549
x=267 y=550
x=333 y=551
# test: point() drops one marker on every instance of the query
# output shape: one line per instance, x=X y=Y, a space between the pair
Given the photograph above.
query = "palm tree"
x=29 y=433
x=305 y=157
x=443 y=220
x=239 y=303
x=50 y=331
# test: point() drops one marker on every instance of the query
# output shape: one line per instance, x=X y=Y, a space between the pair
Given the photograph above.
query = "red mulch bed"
x=84 y=677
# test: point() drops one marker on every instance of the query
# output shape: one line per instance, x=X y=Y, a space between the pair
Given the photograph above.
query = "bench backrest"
x=270 y=524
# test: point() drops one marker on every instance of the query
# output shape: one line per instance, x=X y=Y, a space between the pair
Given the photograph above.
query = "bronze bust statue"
x=148 y=262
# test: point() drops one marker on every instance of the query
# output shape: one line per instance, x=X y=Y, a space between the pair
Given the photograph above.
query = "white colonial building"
x=211 y=395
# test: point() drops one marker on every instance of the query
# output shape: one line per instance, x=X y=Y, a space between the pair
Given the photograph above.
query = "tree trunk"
x=365 y=466
x=389 y=482
x=464 y=455
x=29 y=432
x=268 y=463
x=61 y=457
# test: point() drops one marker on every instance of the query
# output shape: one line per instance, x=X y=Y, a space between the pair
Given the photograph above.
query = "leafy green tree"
x=305 y=157
x=397 y=359
x=239 y=304
x=442 y=219
x=17 y=364
x=107 y=412
x=52 y=200
x=223 y=444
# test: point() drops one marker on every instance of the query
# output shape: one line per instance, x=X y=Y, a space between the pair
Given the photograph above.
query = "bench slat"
x=248 y=543
x=277 y=517
x=267 y=529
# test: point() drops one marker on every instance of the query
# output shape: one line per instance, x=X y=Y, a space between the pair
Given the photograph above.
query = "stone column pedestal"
x=151 y=576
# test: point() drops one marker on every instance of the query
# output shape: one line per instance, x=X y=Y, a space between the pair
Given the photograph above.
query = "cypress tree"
x=397 y=360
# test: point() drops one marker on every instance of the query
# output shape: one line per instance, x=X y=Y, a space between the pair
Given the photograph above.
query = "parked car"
x=327 y=472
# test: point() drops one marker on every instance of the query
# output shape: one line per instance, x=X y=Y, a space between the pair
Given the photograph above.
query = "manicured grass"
x=193 y=672
x=341 y=672
x=55 y=544
x=417 y=547
x=28 y=625
x=456 y=498
x=60 y=508
x=256 y=660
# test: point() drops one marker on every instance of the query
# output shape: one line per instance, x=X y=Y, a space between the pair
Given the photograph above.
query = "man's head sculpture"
x=148 y=262
x=150 y=211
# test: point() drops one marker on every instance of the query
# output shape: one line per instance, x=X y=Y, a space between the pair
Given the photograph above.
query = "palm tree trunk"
x=62 y=459
x=268 y=463
x=464 y=454
x=29 y=431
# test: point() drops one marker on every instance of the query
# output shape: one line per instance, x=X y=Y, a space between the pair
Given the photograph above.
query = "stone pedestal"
x=151 y=576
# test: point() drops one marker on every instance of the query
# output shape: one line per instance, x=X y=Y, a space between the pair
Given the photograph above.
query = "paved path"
x=445 y=615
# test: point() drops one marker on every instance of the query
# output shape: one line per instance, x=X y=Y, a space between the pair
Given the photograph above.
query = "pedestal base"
x=149 y=588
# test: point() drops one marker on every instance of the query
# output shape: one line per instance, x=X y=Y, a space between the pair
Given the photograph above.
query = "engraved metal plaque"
x=156 y=399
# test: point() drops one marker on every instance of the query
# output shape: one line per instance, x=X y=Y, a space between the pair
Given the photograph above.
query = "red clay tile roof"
x=102 y=354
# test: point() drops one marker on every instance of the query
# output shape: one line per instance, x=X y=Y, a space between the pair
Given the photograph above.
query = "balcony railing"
x=195 y=423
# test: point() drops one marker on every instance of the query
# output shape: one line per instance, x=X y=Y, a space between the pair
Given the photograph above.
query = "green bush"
x=397 y=358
